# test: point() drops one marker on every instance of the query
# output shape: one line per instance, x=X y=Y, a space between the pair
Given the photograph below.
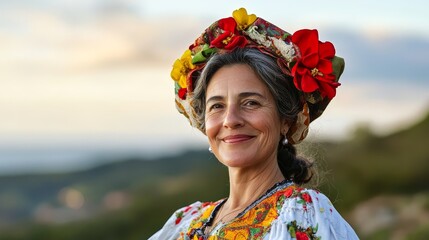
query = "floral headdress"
x=312 y=64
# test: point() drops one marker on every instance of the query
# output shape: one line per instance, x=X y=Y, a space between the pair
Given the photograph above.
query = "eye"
x=215 y=106
x=251 y=103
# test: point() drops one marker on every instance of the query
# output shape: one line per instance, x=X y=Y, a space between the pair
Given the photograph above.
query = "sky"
x=95 y=74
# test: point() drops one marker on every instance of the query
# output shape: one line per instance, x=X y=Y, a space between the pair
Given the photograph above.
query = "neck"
x=246 y=185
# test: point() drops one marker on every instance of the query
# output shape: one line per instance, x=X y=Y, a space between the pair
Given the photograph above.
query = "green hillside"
x=31 y=206
x=156 y=188
x=370 y=165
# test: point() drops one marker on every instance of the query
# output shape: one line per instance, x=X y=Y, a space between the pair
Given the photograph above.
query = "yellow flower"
x=181 y=68
x=243 y=20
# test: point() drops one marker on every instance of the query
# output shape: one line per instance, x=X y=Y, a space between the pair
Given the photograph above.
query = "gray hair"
x=280 y=85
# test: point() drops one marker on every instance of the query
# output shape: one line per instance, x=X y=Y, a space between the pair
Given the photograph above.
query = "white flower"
x=257 y=37
x=287 y=50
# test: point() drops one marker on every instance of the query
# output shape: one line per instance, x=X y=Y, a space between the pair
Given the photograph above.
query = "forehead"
x=234 y=79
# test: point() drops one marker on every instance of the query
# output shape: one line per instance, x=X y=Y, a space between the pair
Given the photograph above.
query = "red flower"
x=230 y=38
x=182 y=93
x=288 y=192
x=187 y=208
x=179 y=216
x=306 y=197
x=205 y=204
x=301 y=236
x=313 y=70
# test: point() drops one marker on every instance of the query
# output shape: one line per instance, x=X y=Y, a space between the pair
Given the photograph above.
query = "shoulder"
x=306 y=199
x=180 y=220
x=309 y=212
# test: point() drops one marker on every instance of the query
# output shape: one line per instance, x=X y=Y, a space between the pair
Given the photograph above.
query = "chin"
x=236 y=159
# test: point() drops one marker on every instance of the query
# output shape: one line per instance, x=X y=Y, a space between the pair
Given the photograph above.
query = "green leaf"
x=254 y=231
x=292 y=232
x=338 y=67
x=272 y=32
x=179 y=214
x=315 y=228
x=202 y=55
x=176 y=87
x=285 y=35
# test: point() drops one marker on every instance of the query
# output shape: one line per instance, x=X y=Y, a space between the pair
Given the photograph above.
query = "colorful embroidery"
x=253 y=223
x=304 y=198
x=207 y=209
x=300 y=233
x=283 y=212
x=180 y=214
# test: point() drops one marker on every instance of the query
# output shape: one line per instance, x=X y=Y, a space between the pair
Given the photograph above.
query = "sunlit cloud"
x=98 y=71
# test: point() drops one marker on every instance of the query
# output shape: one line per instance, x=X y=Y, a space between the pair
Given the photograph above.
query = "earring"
x=285 y=141
x=210 y=149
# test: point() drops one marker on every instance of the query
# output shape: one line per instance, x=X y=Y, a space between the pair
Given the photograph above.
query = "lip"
x=237 y=138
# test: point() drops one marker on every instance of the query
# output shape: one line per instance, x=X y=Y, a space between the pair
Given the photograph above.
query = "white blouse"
x=284 y=212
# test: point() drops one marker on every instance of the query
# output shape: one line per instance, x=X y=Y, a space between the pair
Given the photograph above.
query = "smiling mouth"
x=237 y=138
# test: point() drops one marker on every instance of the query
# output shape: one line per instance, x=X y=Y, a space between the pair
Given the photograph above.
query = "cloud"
x=384 y=55
x=107 y=75
x=81 y=36
x=43 y=41
x=383 y=108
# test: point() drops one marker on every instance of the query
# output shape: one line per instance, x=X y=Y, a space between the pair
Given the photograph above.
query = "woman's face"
x=242 y=122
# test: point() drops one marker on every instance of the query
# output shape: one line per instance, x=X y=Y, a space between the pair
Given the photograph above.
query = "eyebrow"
x=249 y=94
x=241 y=95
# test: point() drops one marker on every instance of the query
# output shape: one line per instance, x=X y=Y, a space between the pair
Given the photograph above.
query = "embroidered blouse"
x=284 y=212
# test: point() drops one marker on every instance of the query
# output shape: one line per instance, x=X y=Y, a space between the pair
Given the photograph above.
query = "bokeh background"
x=91 y=146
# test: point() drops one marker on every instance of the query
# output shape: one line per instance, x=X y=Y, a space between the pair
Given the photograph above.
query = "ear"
x=285 y=125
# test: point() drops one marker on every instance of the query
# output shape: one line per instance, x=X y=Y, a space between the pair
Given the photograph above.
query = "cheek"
x=268 y=126
x=212 y=128
x=271 y=130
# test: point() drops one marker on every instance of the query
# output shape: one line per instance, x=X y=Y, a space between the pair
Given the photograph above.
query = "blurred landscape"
x=378 y=183
x=92 y=147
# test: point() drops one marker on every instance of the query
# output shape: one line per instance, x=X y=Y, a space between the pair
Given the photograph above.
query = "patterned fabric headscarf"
x=312 y=64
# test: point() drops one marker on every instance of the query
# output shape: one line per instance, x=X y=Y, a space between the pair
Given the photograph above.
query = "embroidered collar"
x=200 y=232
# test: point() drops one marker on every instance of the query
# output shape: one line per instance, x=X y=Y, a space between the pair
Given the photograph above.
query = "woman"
x=253 y=89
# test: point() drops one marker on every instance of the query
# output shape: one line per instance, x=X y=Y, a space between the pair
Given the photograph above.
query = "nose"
x=233 y=118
